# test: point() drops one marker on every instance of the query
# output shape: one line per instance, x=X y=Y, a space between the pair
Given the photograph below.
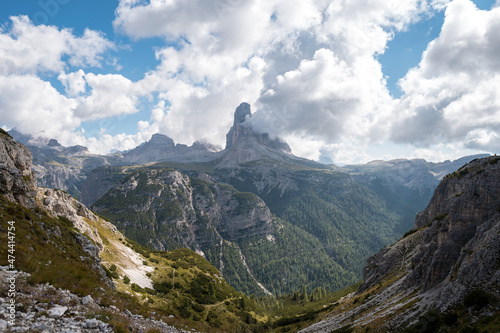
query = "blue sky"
x=337 y=79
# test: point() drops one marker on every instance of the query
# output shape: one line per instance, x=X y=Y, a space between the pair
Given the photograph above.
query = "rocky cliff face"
x=154 y=206
x=239 y=129
x=59 y=203
x=166 y=209
x=450 y=257
x=17 y=181
x=244 y=144
x=461 y=204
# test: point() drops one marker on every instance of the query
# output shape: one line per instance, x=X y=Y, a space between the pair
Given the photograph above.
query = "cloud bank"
x=309 y=69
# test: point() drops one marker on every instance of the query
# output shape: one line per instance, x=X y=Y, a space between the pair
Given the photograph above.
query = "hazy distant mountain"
x=64 y=168
x=406 y=185
x=162 y=148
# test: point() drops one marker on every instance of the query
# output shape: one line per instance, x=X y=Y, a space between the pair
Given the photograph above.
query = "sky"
x=342 y=81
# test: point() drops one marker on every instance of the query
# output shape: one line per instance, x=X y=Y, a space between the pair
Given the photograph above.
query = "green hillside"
x=185 y=285
x=349 y=220
x=228 y=226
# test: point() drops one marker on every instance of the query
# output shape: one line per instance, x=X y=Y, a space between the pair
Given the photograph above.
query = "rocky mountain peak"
x=54 y=143
x=239 y=129
x=241 y=113
x=162 y=148
x=162 y=140
x=244 y=144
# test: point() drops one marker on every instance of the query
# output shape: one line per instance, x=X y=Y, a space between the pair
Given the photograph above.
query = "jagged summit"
x=242 y=131
x=237 y=130
x=162 y=140
x=162 y=148
x=241 y=113
x=245 y=144
x=54 y=143
x=17 y=180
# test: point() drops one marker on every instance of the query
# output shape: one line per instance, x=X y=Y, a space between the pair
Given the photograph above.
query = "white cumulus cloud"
x=454 y=93
x=26 y=48
x=33 y=106
x=309 y=68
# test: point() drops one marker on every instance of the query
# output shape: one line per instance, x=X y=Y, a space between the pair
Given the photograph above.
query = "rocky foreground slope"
x=445 y=272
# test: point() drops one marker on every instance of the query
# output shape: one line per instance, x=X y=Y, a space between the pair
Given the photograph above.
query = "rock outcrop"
x=452 y=253
x=238 y=129
x=166 y=208
x=17 y=180
x=244 y=144
x=462 y=208
x=59 y=203
x=43 y=308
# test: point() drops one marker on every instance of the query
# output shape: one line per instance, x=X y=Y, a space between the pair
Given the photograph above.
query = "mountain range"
x=253 y=209
x=442 y=275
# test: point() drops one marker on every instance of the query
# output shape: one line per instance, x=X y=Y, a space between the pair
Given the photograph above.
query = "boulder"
x=57 y=311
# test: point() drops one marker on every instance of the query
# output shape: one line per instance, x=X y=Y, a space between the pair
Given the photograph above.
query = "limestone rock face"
x=464 y=201
x=17 y=181
x=239 y=129
x=468 y=196
x=168 y=207
x=244 y=144
x=453 y=250
x=59 y=203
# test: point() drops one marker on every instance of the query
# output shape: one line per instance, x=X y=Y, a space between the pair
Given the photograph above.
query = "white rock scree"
x=37 y=311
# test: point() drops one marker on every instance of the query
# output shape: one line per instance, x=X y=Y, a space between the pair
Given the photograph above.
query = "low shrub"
x=477 y=298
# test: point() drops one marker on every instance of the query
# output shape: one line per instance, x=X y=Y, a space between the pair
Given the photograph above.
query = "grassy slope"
x=45 y=248
x=196 y=295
